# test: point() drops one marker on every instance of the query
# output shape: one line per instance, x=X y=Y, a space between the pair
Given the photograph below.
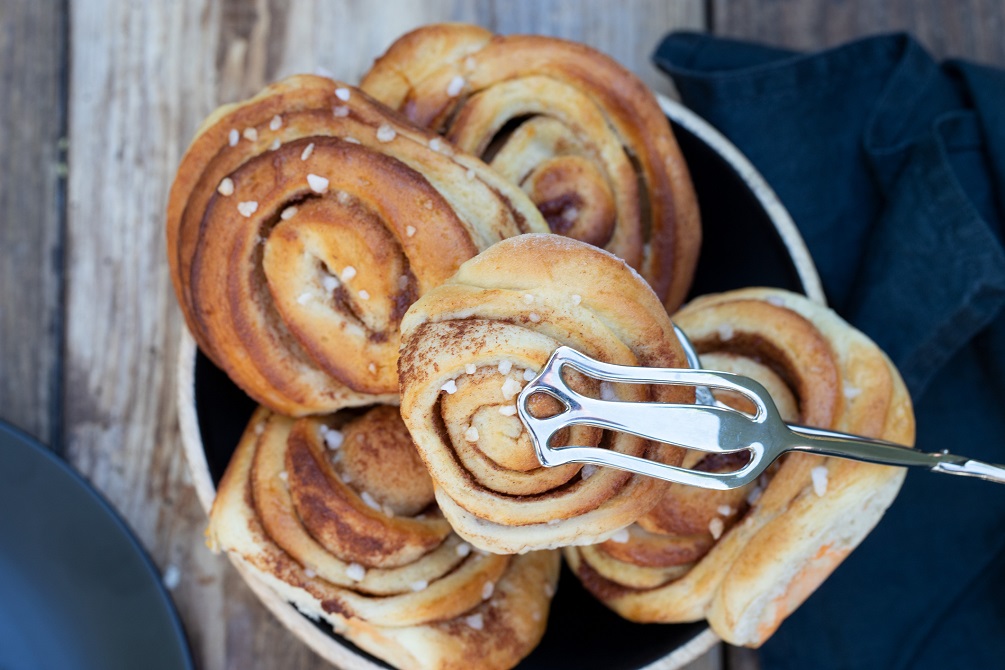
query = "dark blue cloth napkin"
x=893 y=167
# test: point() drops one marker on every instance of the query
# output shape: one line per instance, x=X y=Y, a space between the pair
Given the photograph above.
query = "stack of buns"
x=428 y=240
x=336 y=513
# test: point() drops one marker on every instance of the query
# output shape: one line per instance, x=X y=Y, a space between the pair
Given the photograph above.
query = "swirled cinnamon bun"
x=302 y=224
x=745 y=559
x=579 y=133
x=337 y=515
x=470 y=346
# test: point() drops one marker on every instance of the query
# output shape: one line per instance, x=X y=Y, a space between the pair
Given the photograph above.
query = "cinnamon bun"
x=580 y=134
x=745 y=559
x=471 y=345
x=302 y=224
x=337 y=515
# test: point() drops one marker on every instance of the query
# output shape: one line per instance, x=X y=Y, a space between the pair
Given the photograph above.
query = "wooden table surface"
x=99 y=100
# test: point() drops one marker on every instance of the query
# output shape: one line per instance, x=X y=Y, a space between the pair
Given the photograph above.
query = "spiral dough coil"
x=470 y=346
x=302 y=224
x=580 y=134
x=337 y=515
x=746 y=558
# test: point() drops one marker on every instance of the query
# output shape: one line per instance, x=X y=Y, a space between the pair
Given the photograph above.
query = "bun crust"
x=301 y=225
x=473 y=343
x=355 y=540
x=580 y=134
x=746 y=559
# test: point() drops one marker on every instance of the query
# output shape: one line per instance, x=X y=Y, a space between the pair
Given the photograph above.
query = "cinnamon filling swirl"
x=298 y=240
x=580 y=134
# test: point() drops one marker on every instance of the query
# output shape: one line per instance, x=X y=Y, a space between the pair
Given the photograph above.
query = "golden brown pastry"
x=302 y=224
x=745 y=559
x=337 y=515
x=471 y=345
x=579 y=133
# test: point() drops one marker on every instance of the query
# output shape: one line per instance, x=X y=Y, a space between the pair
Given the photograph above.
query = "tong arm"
x=644 y=466
x=843 y=445
x=714 y=428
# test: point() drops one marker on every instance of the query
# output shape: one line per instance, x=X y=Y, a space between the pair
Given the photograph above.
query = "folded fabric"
x=893 y=167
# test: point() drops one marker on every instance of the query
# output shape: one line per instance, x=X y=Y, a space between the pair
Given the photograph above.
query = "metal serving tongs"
x=708 y=426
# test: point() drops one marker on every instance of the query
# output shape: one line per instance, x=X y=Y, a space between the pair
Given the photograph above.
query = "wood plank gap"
x=710 y=16
x=57 y=389
x=32 y=215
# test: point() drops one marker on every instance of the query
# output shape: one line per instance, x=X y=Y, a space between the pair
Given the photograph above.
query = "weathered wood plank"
x=144 y=76
x=628 y=30
x=32 y=116
x=965 y=28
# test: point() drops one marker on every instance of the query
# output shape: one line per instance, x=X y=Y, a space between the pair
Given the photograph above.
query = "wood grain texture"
x=32 y=116
x=627 y=30
x=144 y=76
x=958 y=28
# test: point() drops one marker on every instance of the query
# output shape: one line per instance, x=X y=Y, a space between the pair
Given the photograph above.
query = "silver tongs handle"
x=843 y=445
x=714 y=428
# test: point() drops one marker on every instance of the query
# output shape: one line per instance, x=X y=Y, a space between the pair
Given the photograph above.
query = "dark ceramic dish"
x=77 y=589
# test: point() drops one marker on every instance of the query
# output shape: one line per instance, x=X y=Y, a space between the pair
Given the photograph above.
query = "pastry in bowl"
x=337 y=515
x=579 y=133
x=745 y=558
x=470 y=346
x=301 y=225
